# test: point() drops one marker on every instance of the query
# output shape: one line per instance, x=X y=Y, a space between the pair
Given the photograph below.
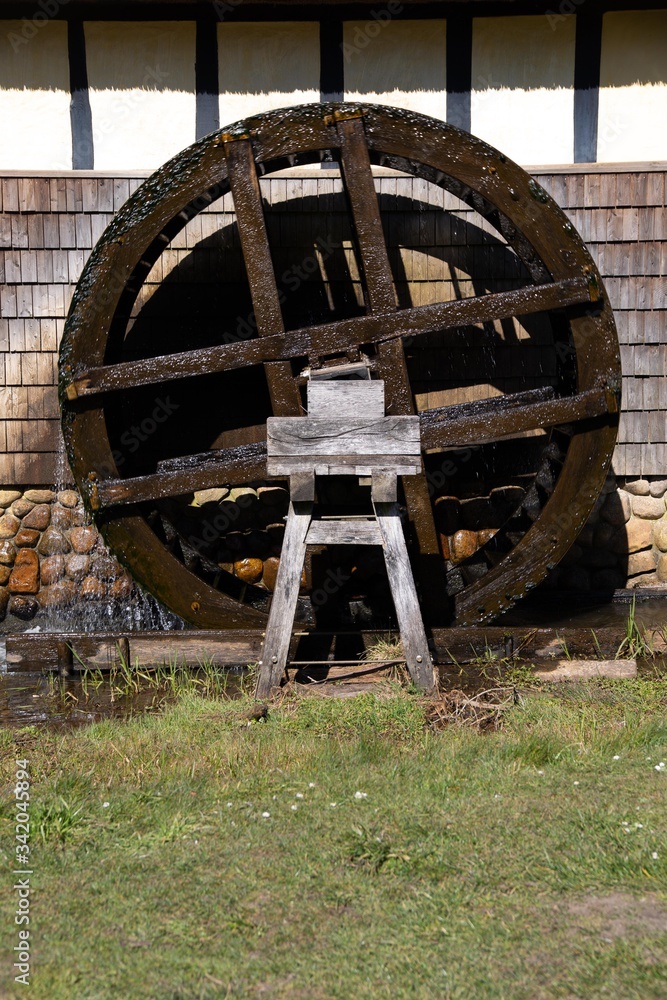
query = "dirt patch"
x=619 y=915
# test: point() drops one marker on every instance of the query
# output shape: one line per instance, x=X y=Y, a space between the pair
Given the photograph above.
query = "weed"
x=56 y=821
x=635 y=643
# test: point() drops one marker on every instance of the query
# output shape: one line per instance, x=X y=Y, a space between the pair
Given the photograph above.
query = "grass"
x=396 y=860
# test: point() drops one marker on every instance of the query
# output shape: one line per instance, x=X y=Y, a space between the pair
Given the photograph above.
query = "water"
x=577 y=611
x=48 y=701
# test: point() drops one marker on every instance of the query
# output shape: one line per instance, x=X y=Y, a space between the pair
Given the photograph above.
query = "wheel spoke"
x=506 y=416
x=244 y=185
x=381 y=302
x=181 y=476
x=339 y=336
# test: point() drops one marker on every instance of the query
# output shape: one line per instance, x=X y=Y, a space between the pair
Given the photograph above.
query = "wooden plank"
x=336 y=399
x=343 y=465
x=313 y=436
x=244 y=184
x=505 y=416
x=334 y=337
x=283 y=603
x=344 y=532
x=383 y=487
x=406 y=603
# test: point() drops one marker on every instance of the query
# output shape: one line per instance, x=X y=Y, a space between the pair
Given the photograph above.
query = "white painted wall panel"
x=267 y=66
x=632 y=122
x=522 y=97
x=34 y=106
x=142 y=91
x=401 y=63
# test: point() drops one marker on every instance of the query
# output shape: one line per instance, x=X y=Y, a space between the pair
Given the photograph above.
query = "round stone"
x=650 y=508
x=68 y=498
x=105 y=567
x=77 y=566
x=5 y=573
x=7 y=497
x=121 y=588
x=26 y=538
x=21 y=507
x=210 y=496
x=463 y=544
x=9 y=525
x=61 y=517
x=249 y=570
x=52 y=569
x=40 y=496
x=637 y=487
x=658 y=487
x=617 y=508
x=4 y=601
x=23 y=607
x=638 y=535
x=92 y=589
x=83 y=539
x=58 y=595
x=7 y=553
x=38 y=518
x=270 y=572
x=25 y=574
x=53 y=543
x=660 y=536
x=641 y=562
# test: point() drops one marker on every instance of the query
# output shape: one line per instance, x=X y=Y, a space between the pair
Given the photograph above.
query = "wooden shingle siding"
x=623 y=218
x=49 y=224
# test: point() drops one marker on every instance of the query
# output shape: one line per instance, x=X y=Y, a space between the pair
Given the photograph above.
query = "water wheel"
x=566 y=425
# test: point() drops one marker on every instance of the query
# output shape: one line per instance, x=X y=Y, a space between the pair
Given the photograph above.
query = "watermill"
x=516 y=442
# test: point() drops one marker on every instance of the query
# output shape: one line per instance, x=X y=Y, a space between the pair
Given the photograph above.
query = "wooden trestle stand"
x=346 y=432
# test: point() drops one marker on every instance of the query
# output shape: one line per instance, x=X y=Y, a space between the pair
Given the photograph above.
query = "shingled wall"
x=49 y=224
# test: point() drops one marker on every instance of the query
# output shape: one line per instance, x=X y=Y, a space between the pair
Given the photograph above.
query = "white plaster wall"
x=401 y=63
x=142 y=91
x=632 y=122
x=267 y=66
x=34 y=103
x=522 y=98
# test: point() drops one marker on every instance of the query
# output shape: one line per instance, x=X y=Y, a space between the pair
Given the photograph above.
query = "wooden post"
x=404 y=594
x=285 y=594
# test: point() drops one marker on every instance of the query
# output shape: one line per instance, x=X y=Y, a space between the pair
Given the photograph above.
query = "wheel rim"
x=564 y=277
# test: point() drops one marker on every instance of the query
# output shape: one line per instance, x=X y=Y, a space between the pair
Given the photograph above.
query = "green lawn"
x=343 y=848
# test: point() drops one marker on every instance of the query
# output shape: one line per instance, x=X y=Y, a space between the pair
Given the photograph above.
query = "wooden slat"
x=344 y=465
x=244 y=184
x=344 y=532
x=180 y=477
x=340 y=398
x=313 y=436
x=503 y=416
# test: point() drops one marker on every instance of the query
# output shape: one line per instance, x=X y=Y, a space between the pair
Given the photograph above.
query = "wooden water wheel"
x=568 y=424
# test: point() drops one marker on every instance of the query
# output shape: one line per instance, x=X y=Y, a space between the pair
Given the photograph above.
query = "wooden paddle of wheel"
x=564 y=282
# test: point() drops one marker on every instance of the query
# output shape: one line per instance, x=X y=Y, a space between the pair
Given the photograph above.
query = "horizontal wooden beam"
x=505 y=416
x=235 y=647
x=330 y=338
x=445 y=427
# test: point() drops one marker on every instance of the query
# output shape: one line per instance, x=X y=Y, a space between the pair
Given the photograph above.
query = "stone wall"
x=624 y=543
x=51 y=556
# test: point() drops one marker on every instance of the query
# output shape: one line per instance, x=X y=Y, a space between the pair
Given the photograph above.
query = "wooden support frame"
x=344 y=417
